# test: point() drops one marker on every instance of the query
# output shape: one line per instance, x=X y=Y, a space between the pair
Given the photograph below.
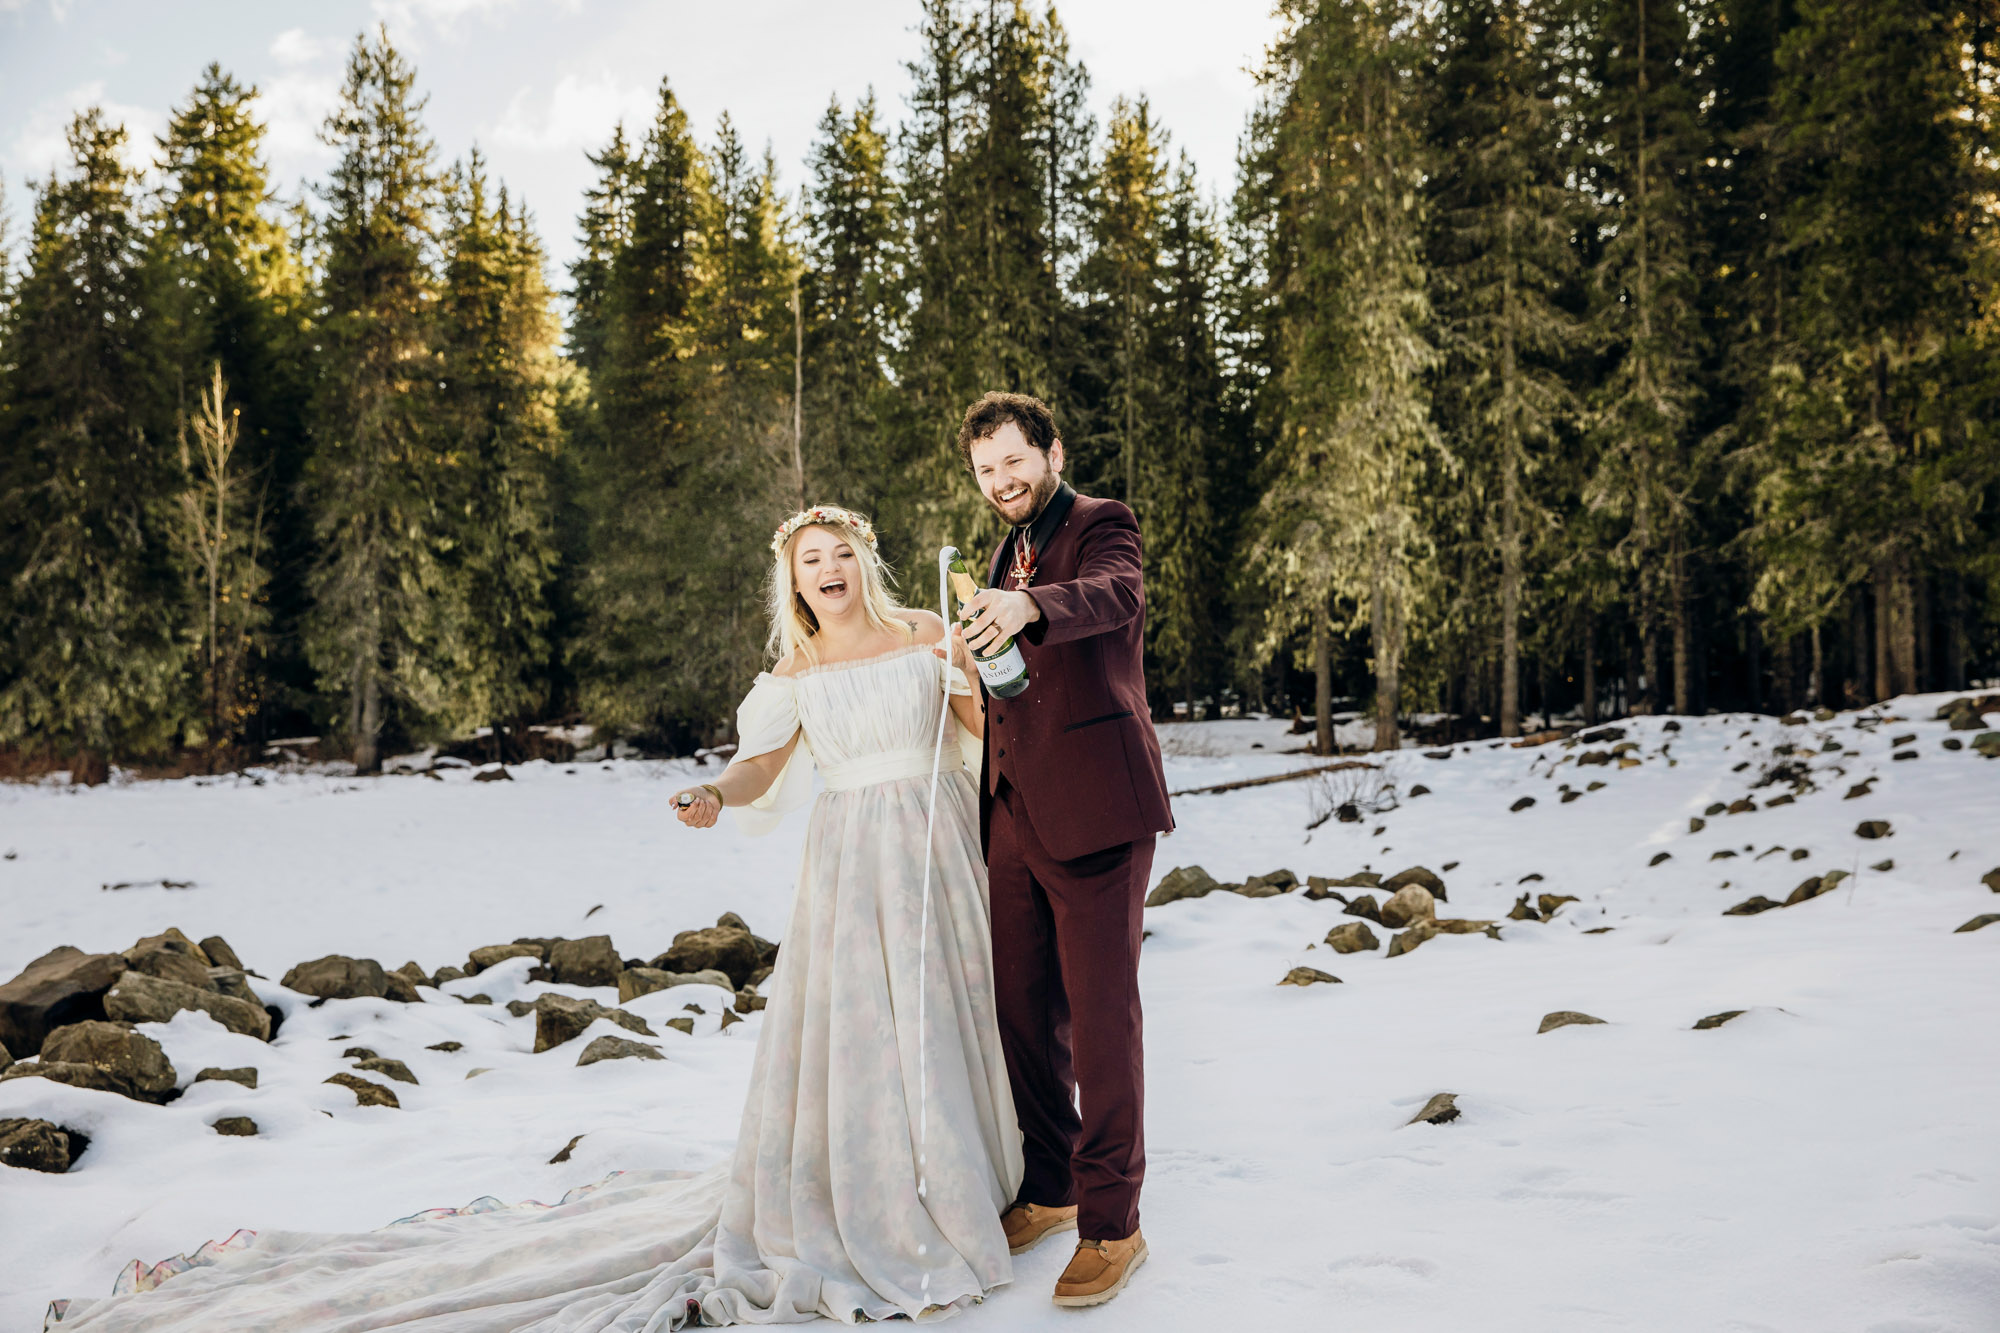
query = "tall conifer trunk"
x=1322 y=633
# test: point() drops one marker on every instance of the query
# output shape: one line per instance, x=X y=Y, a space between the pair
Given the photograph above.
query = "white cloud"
x=579 y=112
x=42 y=145
x=443 y=15
x=296 y=46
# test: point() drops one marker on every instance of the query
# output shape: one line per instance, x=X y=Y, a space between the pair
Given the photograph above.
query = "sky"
x=536 y=84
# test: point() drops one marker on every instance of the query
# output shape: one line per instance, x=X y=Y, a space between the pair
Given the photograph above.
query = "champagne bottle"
x=1003 y=670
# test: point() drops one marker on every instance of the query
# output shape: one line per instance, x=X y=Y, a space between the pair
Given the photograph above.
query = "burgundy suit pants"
x=1066 y=967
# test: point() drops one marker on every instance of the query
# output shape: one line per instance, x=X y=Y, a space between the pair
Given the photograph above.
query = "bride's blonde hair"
x=793 y=624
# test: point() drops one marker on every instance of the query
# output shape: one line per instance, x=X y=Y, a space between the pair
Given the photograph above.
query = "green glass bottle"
x=1003 y=670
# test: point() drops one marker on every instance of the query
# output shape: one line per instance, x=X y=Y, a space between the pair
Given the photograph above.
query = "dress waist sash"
x=887 y=766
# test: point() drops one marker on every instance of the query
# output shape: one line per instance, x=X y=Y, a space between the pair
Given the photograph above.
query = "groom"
x=1072 y=799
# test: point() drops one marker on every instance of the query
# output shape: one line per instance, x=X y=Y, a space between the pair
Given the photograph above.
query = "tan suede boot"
x=1099 y=1270
x=1027 y=1223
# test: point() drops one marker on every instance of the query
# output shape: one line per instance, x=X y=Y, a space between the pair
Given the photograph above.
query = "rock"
x=748 y=1002
x=1602 y=736
x=1952 y=743
x=1255 y=887
x=614 y=1048
x=730 y=1018
x=358 y=1053
x=1800 y=853
x=1751 y=906
x=1412 y=902
x=1318 y=889
x=1987 y=744
x=366 y=1093
x=1364 y=906
x=562 y=1155
x=1441 y=1109
x=141 y=998
x=1884 y=867
x=233 y=982
x=401 y=989
x=395 y=1069
x=1872 y=828
x=1816 y=886
x=5 y=1059
x=1658 y=857
x=1978 y=923
x=1352 y=937
x=338 y=977
x=63 y=1071
x=64 y=985
x=1715 y=809
x=446 y=1046
x=493 y=775
x=558 y=1018
x=1726 y=854
x=1419 y=790
x=763 y=974
x=1717 y=1020
x=1275 y=881
x=1451 y=925
x=171 y=957
x=246 y=1075
x=1549 y=902
x=1991 y=879
x=520 y=1008
x=1520 y=911
x=1307 y=976
x=241 y=1126
x=718 y=948
x=1592 y=758
x=447 y=973
x=1696 y=824
x=220 y=954
x=131 y=1059
x=1563 y=1018
x=482 y=958
x=38 y=1145
x=1411 y=938
x=586 y=962
x=1865 y=787
x=685 y=1025
x=414 y=972
x=1521 y=804
x=1182 y=882
x=636 y=981
x=1417 y=875
x=1744 y=806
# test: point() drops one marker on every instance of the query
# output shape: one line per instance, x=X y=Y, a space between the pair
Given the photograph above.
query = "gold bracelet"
x=716 y=791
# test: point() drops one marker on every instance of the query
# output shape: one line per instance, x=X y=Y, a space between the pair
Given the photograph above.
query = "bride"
x=878 y=1145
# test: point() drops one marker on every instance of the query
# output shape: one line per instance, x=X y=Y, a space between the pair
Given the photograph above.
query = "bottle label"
x=1008 y=667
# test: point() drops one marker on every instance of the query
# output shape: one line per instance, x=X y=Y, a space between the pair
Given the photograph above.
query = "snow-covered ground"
x=1827 y=1161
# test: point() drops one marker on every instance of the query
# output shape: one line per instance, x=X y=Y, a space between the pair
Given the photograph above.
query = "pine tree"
x=639 y=658
x=93 y=603
x=1504 y=269
x=850 y=285
x=1354 y=434
x=236 y=305
x=498 y=429
x=1646 y=280
x=386 y=628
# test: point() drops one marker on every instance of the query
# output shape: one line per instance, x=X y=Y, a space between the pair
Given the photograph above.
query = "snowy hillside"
x=1824 y=1160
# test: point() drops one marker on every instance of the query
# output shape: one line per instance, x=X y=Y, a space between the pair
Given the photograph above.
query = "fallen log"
x=1275 y=777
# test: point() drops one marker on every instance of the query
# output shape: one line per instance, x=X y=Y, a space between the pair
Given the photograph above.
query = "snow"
x=1825 y=1161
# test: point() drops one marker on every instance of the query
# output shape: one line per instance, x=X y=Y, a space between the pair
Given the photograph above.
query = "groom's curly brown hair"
x=995 y=410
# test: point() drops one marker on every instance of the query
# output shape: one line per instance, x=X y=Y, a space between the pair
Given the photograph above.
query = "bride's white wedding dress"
x=819 y=1211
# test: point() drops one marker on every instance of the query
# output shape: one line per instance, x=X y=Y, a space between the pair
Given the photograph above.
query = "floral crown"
x=821 y=514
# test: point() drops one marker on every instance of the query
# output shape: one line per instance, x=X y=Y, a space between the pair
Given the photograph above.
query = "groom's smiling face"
x=1016 y=478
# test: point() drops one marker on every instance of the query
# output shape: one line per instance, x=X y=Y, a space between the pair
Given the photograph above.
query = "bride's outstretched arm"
x=741 y=783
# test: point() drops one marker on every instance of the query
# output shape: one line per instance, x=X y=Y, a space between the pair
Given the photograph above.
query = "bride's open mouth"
x=833 y=588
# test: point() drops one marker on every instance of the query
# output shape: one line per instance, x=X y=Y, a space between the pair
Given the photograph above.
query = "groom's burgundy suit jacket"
x=1078 y=745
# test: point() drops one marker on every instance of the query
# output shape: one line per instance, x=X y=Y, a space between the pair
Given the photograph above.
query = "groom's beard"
x=1038 y=500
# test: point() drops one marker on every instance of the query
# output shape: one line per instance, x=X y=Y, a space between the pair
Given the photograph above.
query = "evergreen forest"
x=1545 y=357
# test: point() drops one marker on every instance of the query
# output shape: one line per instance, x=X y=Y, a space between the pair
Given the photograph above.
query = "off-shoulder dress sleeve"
x=765 y=720
x=970 y=749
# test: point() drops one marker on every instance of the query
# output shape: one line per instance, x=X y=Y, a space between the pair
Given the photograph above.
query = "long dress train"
x=825 y=1209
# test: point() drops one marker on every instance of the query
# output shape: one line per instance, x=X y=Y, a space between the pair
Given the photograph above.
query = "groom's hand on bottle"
x=697 y=807
x=997 y=615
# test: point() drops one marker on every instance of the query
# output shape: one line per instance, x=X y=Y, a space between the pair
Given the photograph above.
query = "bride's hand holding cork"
x=699 y=806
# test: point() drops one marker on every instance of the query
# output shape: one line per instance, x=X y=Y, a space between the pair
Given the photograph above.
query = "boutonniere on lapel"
x=1023 y=572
